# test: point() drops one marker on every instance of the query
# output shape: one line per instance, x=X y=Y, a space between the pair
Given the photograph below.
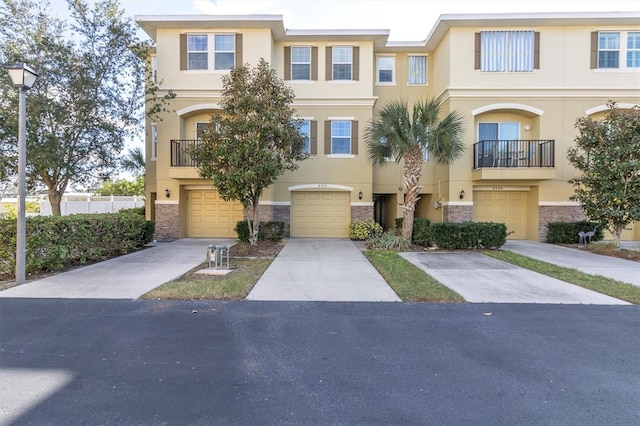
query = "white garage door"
x=320 y=214
x=508 y=207
x=210 y=216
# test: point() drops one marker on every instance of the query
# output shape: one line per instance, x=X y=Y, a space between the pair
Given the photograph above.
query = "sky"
x=407 y=20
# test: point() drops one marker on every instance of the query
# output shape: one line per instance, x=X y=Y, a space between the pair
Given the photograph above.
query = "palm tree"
x=396 y=133
x=134 y=161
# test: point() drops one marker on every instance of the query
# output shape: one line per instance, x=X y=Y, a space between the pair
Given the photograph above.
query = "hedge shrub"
x=272 y=230
x=56 y=242
x=468 y=235
x=421 y=231
x=361 y=230
x=567 y=232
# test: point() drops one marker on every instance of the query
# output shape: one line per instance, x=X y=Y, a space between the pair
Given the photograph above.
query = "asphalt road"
x=263 y=363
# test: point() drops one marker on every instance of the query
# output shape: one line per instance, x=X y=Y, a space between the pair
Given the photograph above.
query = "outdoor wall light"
x=360 y=195
x=462 y=194
x=23 y=79
x=167 y=192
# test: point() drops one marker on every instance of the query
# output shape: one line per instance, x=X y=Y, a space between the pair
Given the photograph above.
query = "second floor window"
x=507 y=51
x=417 y=69
x=305 y=129
x=341 y=137
x=154 y=141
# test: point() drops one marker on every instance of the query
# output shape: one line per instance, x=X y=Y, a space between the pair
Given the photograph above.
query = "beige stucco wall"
x=548 y=101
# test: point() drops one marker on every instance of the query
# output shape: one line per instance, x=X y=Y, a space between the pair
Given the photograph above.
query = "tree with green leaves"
x=397 y=133
x=90 y=95
x=607 y=153
x=123 y=187
x=252 y=141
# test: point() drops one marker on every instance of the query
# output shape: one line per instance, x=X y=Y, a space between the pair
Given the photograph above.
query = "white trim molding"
x=493 y=107
x=457 y=203
x=274 y=203
x=604 y=107
x=501 y=188
x=362 y=204
x=320 y=186
x=558 y=204
x=198 y=107
x=167 y=202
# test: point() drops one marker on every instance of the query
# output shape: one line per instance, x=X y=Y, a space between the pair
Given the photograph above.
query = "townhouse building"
x=519 y=80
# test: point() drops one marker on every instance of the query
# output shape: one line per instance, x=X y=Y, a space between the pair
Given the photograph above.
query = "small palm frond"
x=446 y=143
x=134 y=161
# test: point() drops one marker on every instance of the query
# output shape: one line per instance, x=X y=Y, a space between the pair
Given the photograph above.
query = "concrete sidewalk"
x=317 y=269
x=125 y=277
x=626 y=271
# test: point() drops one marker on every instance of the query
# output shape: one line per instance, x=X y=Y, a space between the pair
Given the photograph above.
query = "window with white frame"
x=197 y=51
x=386 y=69
x=507 y=51
x=154 y=68
x=300 y=62
x=304 y=128
x=618 y=49
x=202 y=52
x=342 y=62
x=154 y=141
x=341 y=137
x=633 y=50
x=224 y=51
x=608 y=50
x=201 y=129
x=417 y=69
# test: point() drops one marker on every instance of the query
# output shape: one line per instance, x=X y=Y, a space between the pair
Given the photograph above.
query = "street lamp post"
x=23 y=78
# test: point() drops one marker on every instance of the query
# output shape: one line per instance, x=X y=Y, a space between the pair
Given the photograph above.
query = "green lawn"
x=409 y=282
x=613 y=288
x=234 y=286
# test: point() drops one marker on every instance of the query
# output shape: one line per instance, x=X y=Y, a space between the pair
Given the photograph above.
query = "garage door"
x=210 y=216
x=508 y=207
x=320 y=214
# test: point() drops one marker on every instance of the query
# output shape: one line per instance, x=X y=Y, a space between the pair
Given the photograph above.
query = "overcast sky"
x=408 y=20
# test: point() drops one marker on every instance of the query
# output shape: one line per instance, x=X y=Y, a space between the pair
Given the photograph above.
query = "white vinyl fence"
x=74 y=204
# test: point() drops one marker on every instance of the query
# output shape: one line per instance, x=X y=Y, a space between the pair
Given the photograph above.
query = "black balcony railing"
x=180 y=153
x=514 y=153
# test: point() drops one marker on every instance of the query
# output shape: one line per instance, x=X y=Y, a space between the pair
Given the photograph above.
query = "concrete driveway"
x=125 y=277
x=482 y=279
x=322 y=269
x=623 y=270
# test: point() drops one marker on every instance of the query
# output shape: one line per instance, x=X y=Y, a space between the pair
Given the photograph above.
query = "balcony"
x=179 y=152
x=514 y=159
x=182 y=165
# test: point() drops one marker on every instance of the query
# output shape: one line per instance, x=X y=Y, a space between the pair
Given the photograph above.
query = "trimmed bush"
x=567 y=232
x=421 y=231
x=135 y=210
x=273 y=230
x=468 y=235
x=56 y=242
x=361 y=230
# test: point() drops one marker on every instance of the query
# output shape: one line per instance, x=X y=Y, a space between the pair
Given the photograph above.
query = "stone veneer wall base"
x=167 y=222
x=549 y=214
